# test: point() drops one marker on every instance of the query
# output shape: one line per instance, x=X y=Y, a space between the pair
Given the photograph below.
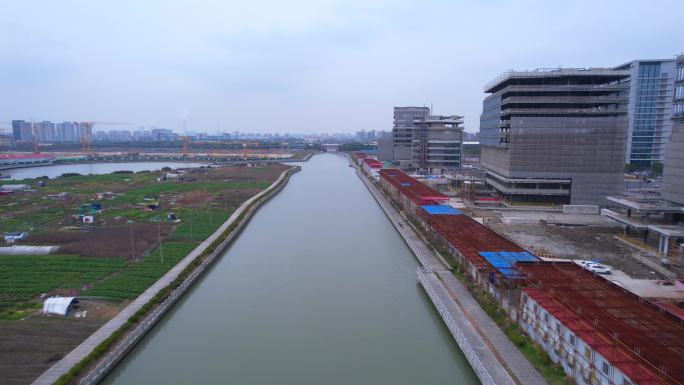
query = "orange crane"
x=34 y=128
x=245 y=149
x=185 y=145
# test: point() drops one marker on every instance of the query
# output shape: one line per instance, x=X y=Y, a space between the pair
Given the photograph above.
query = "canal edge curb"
x=109 y=344
x=510 y=366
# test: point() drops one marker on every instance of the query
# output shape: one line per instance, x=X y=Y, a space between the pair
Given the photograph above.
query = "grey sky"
x=300 y=66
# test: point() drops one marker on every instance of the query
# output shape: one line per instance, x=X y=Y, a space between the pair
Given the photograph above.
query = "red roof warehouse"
x=417 y=192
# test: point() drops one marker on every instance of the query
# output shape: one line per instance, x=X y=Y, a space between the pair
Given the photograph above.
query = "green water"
x=318 y=289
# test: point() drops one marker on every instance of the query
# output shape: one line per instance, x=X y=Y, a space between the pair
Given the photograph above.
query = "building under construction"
x=555 y=136
x=600 y=333
x=437 y=145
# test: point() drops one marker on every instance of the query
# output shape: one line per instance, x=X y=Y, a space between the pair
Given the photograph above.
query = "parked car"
x=595 y=267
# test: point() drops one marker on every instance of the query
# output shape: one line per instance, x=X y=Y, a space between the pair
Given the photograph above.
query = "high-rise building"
x=649 y=111
x=402 y=132
x=22 y=131
x=46 y=131
x=673 y=173
x=437 y=144
x=66 y=132
x=555 y=136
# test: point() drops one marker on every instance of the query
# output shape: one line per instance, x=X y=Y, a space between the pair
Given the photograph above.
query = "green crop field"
x=129 y=283
x=117 y=257
x=25 y=277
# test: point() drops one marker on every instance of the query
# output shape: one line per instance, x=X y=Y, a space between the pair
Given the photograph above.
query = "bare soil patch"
x=104 y=242
x=30 y=346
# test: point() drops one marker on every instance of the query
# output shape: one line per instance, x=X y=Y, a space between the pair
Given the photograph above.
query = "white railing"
x=477 y=365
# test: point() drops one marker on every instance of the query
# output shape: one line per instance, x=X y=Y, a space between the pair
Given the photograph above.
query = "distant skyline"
x=300 y=66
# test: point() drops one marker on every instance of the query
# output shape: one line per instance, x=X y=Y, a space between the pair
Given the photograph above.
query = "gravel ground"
x=579 y=242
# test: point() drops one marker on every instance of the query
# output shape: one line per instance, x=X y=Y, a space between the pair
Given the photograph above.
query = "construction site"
x=599 y=329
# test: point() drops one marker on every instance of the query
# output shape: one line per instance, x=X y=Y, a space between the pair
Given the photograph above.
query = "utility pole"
x=130 y=227
x=161 y=249
x=192 y=238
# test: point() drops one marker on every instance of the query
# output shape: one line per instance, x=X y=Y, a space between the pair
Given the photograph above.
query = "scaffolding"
x=642 y=340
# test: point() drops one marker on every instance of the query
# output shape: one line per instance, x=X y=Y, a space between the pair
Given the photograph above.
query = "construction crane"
x=245 y=149
x=185 y=145
x=34 y=129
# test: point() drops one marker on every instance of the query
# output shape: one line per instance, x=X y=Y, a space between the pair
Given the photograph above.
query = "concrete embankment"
x=236 y=221
x=493 y=357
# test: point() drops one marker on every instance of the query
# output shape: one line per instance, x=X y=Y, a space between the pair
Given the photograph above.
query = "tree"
x=629 y=167
x=657 y=168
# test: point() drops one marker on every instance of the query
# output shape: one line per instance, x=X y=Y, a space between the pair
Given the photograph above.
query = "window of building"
x=606 y=368
x=679 y=92
x=546 y=317
x=587 y=353
x=558 y=327
x=572 y=340
x=625 y=381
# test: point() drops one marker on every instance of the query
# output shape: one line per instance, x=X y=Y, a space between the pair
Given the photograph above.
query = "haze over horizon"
x=302 y=66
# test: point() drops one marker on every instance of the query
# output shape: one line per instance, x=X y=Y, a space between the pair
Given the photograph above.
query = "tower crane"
x=185 y=145
x=245 y=149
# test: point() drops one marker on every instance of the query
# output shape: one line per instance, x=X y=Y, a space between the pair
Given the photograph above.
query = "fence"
x=130 y=340
x=461 y=340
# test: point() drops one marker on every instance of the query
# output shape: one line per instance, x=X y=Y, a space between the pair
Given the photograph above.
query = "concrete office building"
x=437 y=145
x=22 y=131
x=555 y=136
x=673 y=173
x=649 y=111
x=402 y=132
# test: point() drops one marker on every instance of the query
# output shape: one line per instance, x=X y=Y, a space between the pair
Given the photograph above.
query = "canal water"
x=318 y=289
x=91 y=168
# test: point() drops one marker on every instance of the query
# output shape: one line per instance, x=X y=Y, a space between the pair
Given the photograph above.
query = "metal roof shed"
x=58 y=305
x=504 y=262
x=440 y=210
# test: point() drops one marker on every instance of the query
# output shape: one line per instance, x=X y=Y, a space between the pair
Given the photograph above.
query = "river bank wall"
x=217 y=242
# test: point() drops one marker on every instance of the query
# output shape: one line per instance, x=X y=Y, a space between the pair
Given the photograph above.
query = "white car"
x=595 y=267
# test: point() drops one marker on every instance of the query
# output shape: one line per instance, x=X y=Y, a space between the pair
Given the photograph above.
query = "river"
x=318 y=289
x=91 y=168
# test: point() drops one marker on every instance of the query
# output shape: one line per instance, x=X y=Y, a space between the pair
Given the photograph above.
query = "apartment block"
x=22 y=131
x=437 y=145
x=555 y=136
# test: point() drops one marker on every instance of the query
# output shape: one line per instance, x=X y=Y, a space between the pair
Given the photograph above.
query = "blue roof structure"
x=405 y=184
x=440 y=210
x=504 y=262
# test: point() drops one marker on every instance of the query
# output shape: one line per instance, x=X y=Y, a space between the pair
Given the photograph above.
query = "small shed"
x=14 y=187
x=15 y=236
x=59 y=305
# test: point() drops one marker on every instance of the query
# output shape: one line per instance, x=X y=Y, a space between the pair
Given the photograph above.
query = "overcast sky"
x=300 y=66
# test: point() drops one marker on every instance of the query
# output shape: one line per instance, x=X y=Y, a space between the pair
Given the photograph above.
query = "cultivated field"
x=107 y=262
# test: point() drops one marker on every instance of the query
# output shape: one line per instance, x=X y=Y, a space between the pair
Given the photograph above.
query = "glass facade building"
x=649 y=111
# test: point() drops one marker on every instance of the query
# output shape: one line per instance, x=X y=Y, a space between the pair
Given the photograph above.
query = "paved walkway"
x=508 y=353
x=504 y=362
x=425 y=256
x=81 y=351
